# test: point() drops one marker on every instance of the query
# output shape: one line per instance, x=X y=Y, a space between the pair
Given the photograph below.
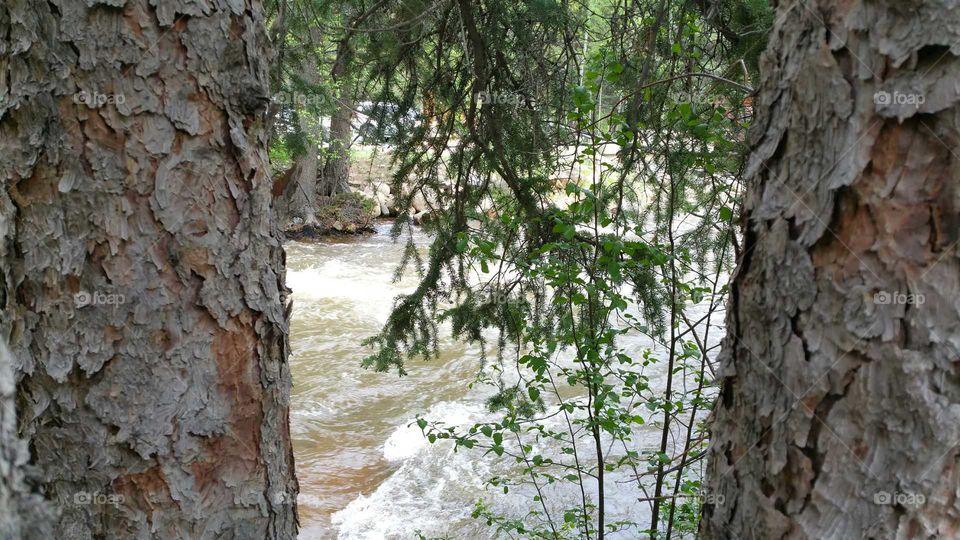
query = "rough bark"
x=142 y=273
x=303 y=192
x=836 y=395
x=336 y=167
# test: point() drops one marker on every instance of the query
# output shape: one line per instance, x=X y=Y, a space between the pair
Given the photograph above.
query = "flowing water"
x=348 y=423
x=364 y=472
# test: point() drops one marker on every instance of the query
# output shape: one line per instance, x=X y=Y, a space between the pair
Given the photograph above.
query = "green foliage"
x=309 y=71
x=281 y=158
x=586 y=158
x=348 y=212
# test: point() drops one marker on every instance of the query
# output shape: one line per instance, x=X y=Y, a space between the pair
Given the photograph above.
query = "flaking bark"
x=142 y=273
x=839 y=393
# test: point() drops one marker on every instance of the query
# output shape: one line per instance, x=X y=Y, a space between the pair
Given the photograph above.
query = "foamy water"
x=365 y=470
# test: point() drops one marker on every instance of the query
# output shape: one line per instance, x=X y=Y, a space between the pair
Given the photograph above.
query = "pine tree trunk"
x=839 y=410
x=142 y=272
x=303 y=198
x=336 y=168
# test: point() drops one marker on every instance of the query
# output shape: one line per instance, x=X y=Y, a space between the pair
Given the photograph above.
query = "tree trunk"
x=303 y=195
x=839 y=409
x=142 y=272
x=336 y=168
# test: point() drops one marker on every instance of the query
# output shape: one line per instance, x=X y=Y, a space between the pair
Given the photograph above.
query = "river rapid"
x=364 y=471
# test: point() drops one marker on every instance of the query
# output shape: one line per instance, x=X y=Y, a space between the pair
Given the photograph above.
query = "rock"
x=419 y=203
x=390 y=201
x=384 y=202
x=421 y=217
x=337 y=226
x=559 y=182
x=376 y=210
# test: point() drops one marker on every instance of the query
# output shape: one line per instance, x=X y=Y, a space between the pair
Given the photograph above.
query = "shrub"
x=345 y=212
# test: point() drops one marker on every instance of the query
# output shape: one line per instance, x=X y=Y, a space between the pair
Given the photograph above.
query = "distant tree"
x=315 y=78
x=306 y=168
x=336 y=166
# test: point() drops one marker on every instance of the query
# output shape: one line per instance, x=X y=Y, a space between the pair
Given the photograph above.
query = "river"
x=364 y=472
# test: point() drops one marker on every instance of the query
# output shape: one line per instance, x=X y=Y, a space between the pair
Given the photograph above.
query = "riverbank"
x=343 y=214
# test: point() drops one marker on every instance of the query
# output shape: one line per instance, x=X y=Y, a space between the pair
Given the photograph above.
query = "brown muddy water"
x=364 y=472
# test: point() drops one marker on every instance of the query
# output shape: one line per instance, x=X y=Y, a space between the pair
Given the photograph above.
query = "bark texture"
x=303 y=198
x=336 y=167
x=142 y=279
x=839 y=410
